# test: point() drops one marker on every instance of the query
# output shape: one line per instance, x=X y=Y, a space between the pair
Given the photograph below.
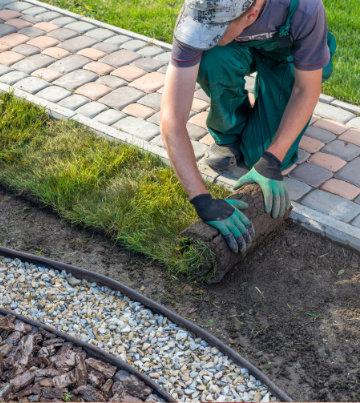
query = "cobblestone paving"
x=111 y=80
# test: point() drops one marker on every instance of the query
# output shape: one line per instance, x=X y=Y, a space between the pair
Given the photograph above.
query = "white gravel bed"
x=182 y=364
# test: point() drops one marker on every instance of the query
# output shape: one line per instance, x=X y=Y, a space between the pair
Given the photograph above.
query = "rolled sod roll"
x=223 y=259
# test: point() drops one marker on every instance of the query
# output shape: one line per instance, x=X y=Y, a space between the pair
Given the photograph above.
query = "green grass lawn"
x=156 y=19
x=131 y=196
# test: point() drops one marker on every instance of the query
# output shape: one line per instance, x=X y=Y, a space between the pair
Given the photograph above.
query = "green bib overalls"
x=222 y=76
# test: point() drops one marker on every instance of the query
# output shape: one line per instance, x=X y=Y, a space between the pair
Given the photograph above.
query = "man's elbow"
x=170 y=123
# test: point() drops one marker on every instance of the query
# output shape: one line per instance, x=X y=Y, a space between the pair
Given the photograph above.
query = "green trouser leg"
x=274 y=86
x=222 y=76
x=231 y=118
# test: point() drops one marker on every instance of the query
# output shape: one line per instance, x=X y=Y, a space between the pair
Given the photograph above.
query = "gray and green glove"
x=226 y=217
x=267 y=173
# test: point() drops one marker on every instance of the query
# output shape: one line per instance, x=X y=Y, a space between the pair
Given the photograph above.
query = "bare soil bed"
x=38 y=366
x=292 y=308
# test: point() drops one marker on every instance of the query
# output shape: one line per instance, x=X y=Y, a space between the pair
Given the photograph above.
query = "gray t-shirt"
x=308 y=32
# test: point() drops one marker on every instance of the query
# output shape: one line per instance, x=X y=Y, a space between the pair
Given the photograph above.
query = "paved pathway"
x=111 y=80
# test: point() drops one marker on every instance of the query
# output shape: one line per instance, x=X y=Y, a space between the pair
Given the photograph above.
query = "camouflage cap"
x=202 y=23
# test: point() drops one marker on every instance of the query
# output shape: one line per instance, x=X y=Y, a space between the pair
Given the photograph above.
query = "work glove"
x=226 y=217
x=266 y=173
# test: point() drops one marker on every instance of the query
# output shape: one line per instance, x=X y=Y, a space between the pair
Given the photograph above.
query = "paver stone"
x=80 y=26
x=9 y=14
x=8 y=58
x=18 y=5
x=93 y=91
x=164 y=57
x=56 y=52
x=9 y=41
x=150 y=51
x=310 y=145
x=46 y=26
x=196 y=132
x=106 y=47
x=32 y=32
x=149 y=82
x=26 y=50
x=91 y=53
x=33 y=63
x=31 y=84
x=296 y=189
x=148 y=64
x=70 y=63
x=4 y=69
x=333 y=112
x=109 y=117
x=356 y=222
x=100 y=34
x=74 y=101
x=53 y=93
x=6 y=29
x=302 y=156
x=208 y=139
x=134 y=44
x=331 y=205
x=43 y=42
x=121 y=97
x=328 y=161
x=344 y=150
x=355 y=123
x=331 y=126
x=64 y=34
x=128 y=73
x=12 y=77
x=350 y=172
x=34 y=11
x=151 y=100
x=201 y=95
x=18 y=23
x=351 y=136
x=46 y=74
x=311 y=174
x=320 y=134
x=341 y=188
x=91 y=109
x=138 y=111
x=99 y=68
x=199 y=105
x=155 y=118
x=138 y=128
x=120 y=58
x=111 y=81
x=75 y=44
x=48 y=16
x=199 y=119
x=117 y=39
x=62 y=21
x=76 y=79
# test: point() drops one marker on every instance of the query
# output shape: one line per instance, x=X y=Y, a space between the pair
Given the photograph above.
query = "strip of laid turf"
x=156 y=19
x=130 y=195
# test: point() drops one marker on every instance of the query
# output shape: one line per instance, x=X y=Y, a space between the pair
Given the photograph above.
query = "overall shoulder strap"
x=285 y=29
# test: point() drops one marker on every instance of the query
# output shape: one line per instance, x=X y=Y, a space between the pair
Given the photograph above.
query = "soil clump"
x=291 y=308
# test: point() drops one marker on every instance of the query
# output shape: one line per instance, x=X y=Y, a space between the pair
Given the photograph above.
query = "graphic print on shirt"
x=257 y=37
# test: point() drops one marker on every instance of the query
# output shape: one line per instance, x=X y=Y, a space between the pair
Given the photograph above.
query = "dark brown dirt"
x=292 y=308
x=225 y=260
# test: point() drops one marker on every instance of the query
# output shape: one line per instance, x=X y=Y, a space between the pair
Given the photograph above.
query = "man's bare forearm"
x=182 y=158
x=297 y=113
